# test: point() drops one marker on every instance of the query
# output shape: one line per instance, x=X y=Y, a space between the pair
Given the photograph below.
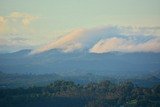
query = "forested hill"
x=68 y=94
x=28 y=80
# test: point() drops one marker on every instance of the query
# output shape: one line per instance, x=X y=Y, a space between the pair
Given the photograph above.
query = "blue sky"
x=32 y=24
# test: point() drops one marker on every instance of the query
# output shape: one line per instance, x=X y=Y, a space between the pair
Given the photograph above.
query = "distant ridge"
x=80 y=62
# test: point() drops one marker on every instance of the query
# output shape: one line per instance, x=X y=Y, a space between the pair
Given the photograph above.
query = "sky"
x=47 y=24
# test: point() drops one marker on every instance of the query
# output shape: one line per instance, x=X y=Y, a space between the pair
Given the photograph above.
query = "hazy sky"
x=32 y=23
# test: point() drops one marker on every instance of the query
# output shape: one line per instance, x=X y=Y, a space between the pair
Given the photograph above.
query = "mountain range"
x=117 y=64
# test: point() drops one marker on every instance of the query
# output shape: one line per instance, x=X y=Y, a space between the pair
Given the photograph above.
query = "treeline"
x=68 y=94
x=27 y=80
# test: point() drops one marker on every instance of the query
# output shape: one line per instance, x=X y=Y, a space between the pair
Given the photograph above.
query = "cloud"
x=14 y=31
x=24 y=17
x=2 y=24
x=15 y=22
x=124 y=45
x=106 y=39
x=135 y=31
x=67 y=43
x=14 y=41
x=71 y=47
x=14 y=44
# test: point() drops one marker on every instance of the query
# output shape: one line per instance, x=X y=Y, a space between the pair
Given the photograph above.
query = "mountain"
x=117 y=64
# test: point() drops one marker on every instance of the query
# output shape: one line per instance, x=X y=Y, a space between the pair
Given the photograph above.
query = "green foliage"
x=68 y=94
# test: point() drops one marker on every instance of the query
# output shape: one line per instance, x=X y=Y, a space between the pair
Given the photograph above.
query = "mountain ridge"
x=80 y=62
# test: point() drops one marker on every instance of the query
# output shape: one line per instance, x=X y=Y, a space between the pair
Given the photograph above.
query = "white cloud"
x=16 y=22
x=65 y=43
x=136 y=31
x=14 y=44
x=72 y=47
x=2 y=24
x=23 y=17
x=14 y=29
x=124 y=45
x=106 y=39
x=97 y=40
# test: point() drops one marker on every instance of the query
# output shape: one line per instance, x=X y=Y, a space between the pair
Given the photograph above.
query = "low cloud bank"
x=106 y=39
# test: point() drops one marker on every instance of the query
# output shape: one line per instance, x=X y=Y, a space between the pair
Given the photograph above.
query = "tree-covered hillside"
x=28 y=80
x=68 y=94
